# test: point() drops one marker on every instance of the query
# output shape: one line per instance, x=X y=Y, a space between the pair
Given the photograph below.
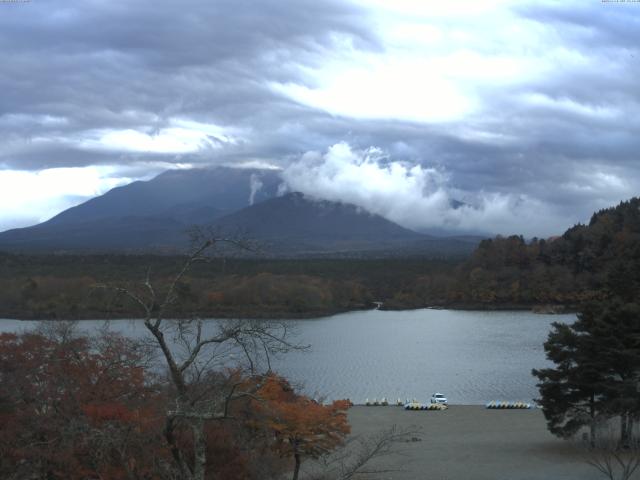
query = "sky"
x=470 y=115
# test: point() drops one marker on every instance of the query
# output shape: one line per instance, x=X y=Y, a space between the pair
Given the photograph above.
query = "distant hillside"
x=294 y=221
x=154 y=217
x=124 y=234
x=612 y=238
x=557 y=274
x=191 y=196
x=586 y=262
x=295 y=224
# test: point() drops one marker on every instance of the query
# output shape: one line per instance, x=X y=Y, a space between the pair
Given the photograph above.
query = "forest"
x=554 y=274
x=186 y=402
x=63 y=286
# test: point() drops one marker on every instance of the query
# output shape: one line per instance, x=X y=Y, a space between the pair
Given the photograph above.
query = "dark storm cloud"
x=548 y=148
x=80 y=66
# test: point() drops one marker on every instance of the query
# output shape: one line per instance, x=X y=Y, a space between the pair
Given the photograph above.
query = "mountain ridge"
x=300 y=222
x=154 y=216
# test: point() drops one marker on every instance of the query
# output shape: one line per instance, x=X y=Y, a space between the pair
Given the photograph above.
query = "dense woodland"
x=61 y=286
x=505 y=272
x=581 y=265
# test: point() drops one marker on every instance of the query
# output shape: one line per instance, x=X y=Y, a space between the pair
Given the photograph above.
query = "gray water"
x=472 y=357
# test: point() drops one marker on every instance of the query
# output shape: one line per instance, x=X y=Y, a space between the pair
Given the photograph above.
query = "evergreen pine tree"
x=597 y=370
x=571 y=393
x=613 y=327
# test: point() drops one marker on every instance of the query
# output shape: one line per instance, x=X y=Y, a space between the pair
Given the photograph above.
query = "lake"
x=470 y=356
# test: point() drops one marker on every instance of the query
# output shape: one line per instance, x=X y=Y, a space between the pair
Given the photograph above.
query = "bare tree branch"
x=614 y=461
x=201 y=395
x=356 y=459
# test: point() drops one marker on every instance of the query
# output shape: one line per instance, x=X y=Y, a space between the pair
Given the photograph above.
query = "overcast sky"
x=526 y=112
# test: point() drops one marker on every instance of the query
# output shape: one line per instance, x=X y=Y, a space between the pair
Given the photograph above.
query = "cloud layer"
x=526 y=111
x=417 y=197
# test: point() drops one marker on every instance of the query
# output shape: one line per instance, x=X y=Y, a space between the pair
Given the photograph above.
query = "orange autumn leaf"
x=302 y=426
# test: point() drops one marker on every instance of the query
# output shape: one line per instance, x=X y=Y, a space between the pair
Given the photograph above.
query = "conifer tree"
x=597 y=370
x=614 y=328
x=571 y=393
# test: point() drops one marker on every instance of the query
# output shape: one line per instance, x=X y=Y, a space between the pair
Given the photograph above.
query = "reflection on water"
x=472 y=357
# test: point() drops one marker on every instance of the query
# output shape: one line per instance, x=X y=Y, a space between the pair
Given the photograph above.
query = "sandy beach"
x=471 y=442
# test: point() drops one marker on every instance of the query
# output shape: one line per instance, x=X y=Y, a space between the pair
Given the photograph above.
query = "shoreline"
x=288 y=315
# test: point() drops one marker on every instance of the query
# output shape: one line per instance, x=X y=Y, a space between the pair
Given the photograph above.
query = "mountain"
x=294 y=222
x=192 y=196
x=147 y=215
x=154 y=216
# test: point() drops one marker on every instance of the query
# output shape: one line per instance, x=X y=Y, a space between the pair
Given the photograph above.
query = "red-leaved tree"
x=301 y=426
x=76 y=408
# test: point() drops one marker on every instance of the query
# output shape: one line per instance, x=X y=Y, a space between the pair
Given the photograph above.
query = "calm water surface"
x=472 y=357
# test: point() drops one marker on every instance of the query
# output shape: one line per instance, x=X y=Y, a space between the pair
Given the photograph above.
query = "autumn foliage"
x=301 y=426
x=73 y=407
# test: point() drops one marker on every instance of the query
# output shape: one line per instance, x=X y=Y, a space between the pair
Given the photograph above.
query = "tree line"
x=558 y=273
x=594 y=384
x=189 y=401
x=63 y=287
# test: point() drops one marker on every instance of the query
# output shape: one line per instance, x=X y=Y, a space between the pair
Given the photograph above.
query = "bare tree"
x=357 y=458
x=197 y=352
x=607 y=455
x=59 y=330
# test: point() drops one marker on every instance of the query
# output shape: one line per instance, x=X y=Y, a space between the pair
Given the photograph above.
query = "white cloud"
x=539 y=96
x=255 y=184
x=181 y=136
x=438 y=62
x=250 y=163
x=414 y=196
x=571 y=106
x=599 y=184
x=378 y=88
x=23 y=119
x=27 y=197
x=431 y=8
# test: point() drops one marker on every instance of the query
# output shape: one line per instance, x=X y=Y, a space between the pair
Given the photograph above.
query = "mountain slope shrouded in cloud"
x=155 y=216
x=199 y=196
x=422 y=198
x=298 y=222
x=526 y=111
x=148 y=215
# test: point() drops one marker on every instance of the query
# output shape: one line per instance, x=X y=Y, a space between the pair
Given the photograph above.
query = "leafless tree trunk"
x=191 y=351
x=357 y=457
x=296 y=469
